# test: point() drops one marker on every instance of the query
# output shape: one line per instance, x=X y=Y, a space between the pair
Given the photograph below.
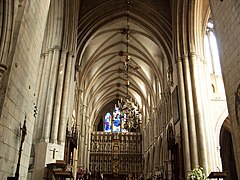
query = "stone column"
x=65 y=97
x=80 y=109
x=148 y=135
x=53 y=40
x=184 y=121
x=190 y=110
x=79 y=122
x=156 y=155
x=58 y=97
x=160 y=153
x=152 y=159
x=82 y=135
x=85 y=155
x=38 y=124
x=153 y=126
x=50 y=94
x=88 y=146
x=145 y=171
x=156 y=124
x=86 y=142
x=198 y=111
x=150 y=131
x=83 y=124
x=59 y=48
x=144 y=139
x=81 y=151
x=43 y=91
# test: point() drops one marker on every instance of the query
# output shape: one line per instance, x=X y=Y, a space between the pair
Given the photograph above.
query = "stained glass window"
x=114 y=122
x=108 y=123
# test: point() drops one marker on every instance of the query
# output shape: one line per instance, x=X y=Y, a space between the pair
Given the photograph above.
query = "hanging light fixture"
x=130 y=114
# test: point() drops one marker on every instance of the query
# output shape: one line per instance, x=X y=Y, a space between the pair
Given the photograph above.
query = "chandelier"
x=129 y=109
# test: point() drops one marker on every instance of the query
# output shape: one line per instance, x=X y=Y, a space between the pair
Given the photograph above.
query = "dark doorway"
x=227 y=153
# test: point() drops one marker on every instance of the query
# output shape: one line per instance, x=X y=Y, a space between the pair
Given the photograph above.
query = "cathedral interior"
x=119 y=89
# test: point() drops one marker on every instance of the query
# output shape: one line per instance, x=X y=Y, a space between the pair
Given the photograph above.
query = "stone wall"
x=20 y=94
x=226 y=15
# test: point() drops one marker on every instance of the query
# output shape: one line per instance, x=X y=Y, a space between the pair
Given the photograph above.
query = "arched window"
x=213 y=60
x=211 y=49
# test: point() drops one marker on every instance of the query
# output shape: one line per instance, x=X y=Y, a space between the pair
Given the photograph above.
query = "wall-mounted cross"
x=54 y=151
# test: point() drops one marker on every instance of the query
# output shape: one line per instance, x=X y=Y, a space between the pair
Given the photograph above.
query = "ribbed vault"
x=102 y=47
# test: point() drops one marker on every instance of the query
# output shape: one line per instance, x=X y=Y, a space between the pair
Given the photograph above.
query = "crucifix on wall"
x=54 y=151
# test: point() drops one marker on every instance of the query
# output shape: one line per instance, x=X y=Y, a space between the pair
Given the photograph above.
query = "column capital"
x=48 y=51
x=193 y=54
x=79 y=92
x=185 y=56
x=70 y=53
x=64 y=50
x=56 y=47
x=178 y=59
x=42 y=55
x=20 y=3
x=3 y=68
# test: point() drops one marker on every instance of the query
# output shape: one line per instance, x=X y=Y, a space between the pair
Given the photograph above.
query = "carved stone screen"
x=116 y=154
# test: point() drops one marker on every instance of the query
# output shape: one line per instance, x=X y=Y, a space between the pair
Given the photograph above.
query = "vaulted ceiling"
x=102 y=48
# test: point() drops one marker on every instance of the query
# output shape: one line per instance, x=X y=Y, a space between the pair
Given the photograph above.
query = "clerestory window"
x=213 y=60
x=211 y=50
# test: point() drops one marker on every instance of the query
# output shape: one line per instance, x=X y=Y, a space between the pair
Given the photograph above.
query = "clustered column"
x=65 y=96
x=86 y=141
x=82 y=139
x=197 y=100
x=190 y=78
x=59 y=47
x=190 y=112
x=184 y=121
